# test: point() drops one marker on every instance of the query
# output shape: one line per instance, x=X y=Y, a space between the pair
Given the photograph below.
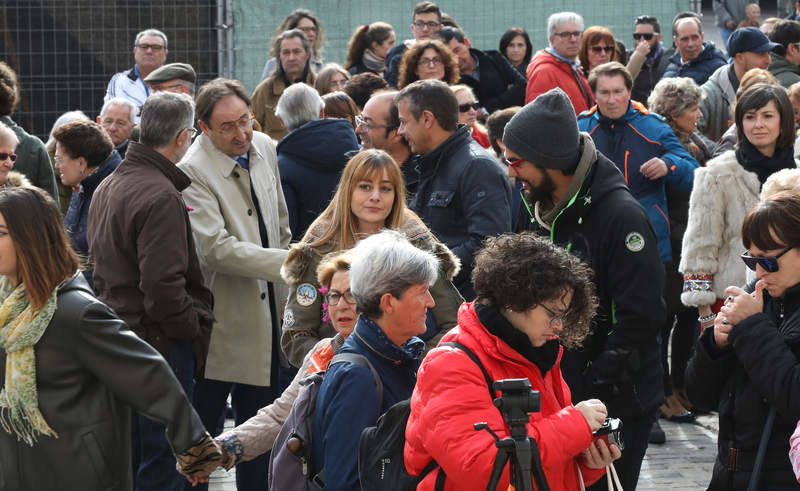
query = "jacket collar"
x=427 y=162
x=141 y=154
x=90 y=183
x=222 y=161
x=372 y=337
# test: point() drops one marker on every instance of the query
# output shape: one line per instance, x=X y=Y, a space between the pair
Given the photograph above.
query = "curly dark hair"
x=410 y=62
x=8 y=89
x=521 y=271
x=85 y=139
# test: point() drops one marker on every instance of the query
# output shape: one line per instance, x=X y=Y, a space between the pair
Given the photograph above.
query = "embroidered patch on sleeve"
x=634 y=242
x=288 y=319
x=306 y=294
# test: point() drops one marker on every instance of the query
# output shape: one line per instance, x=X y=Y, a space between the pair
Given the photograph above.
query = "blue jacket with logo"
x=630 y=142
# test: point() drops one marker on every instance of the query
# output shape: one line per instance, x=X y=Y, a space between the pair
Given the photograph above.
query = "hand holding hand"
x=594 y=411
x=599 y=455
x=200 y=460
x=654 y=168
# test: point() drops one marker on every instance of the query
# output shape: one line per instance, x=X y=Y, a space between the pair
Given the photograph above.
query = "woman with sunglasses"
x=532 y=298
x=748 y=363
x=468 y=111
x=725 y=190
x=370 y=197
x=8 y=142
x=598 y=46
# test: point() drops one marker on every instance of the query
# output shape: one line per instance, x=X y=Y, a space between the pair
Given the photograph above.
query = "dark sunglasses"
x=600 y=49
x=11 y=156
x=462 y=108
x=769 y=263
x=639 y=35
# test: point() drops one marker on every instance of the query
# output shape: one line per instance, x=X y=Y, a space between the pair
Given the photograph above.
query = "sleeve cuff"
x=233 y=447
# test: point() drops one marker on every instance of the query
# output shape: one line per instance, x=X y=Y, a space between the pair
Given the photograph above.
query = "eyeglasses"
x=600 y=49
x=154 y=47
x=569 y=34
x=769 y=263
x=513 y=163
x=462 y=108
x=334 y=297
x=555 y=318
x=430 y=61
x=639 y=35
x=308 y=29
x=360 y=121
x=420 y=24
x=9 y=156
x=193 y=131
x=167 y=88
x=230 y=127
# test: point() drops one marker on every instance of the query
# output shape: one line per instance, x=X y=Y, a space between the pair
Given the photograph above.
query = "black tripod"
x=516 y=403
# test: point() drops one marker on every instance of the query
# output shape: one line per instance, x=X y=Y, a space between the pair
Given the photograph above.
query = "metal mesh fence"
x=65 y=51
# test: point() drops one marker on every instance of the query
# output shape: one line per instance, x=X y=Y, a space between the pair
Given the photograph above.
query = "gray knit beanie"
x=545 y=131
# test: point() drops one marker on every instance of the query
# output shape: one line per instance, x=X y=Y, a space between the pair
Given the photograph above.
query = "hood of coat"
x=780 y=65
x=320 y=145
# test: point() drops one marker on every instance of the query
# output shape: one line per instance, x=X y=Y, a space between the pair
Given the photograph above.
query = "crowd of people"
x=572 y=215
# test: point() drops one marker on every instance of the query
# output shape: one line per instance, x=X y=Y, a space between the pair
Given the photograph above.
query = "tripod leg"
x=500 y=461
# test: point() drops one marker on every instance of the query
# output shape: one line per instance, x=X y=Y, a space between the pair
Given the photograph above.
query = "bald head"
x=377 y=122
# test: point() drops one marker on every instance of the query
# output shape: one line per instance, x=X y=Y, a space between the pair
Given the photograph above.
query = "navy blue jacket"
x=500 y=85
x=463 y=196
x=700 y=68
x=348 y=399
x=77 y=216
x=630 y=142
x=310 y=161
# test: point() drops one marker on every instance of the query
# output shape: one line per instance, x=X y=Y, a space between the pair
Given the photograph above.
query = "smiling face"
x=762 y=127
x=536 y=322
x=531 y=177
x=515 y=51
x=414 y=130
x=430 y=65
x=687 y=120
x=343 y=315
x=71 y=170
x=372 y=132
x=612 y=95
x=471 y=115
x=8 y=253
x=372 y=200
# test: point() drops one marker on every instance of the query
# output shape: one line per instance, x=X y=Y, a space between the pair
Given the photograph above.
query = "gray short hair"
x=299 y=104
x=673 y=96
x=561 y=17
x=65 y=118
x=164 y=115
x=8 y=135
x=120 y=101
x=387 y=263
x=151 y=32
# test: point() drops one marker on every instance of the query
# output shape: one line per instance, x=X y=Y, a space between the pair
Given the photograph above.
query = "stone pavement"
x=683 y=463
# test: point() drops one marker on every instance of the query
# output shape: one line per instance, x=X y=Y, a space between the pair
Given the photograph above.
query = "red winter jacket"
x=546 y=72
x=451 y=395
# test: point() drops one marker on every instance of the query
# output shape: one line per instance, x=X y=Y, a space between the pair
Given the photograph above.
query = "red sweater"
x=451 y=395
x=545 y=72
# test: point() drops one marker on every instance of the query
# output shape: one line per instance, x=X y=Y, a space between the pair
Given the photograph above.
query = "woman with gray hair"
x=390 y=279
x=8 y=142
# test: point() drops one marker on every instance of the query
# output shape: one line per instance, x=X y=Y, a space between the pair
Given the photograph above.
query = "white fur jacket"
x=722 y=194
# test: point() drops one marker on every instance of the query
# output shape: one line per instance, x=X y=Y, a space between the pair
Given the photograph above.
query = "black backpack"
x=380 y=450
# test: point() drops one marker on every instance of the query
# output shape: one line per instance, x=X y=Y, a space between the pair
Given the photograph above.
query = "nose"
x=429 y=301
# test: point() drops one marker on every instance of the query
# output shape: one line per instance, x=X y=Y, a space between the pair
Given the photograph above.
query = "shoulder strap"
x=363 y=361
x=474 y=358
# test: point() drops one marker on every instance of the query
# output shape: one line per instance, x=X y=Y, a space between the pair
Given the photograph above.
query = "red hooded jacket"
x=451 y=395
x=546 y=72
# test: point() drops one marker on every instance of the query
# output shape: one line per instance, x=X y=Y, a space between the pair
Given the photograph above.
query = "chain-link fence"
x=65 y=51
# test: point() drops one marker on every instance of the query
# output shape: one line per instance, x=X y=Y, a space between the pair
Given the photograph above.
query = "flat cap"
x=172 y=71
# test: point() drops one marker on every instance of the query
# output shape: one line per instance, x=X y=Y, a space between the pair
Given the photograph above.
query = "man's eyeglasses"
x=420 y=24
x=556 y=318
x=462 y=108
x=769 y=263
x=513 y=163
x=229 y=128
x=569 y=34
x=193 y=132
x=154 y=47
x=8 y=156
x=360 y=121
x=430 y=61
x=333 y=298
x=600 y=49
x=646 y=35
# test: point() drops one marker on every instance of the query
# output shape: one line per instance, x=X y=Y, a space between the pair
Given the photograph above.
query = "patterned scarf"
x=21 y=327
x=372 y=62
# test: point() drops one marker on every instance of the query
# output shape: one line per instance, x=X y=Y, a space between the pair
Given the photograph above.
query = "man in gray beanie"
x=578 y=197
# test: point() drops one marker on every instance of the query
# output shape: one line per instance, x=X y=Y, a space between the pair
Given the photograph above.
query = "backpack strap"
x=363 y=361
x=474 y=358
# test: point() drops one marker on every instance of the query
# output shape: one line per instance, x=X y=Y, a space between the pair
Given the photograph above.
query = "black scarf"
x=754 y=161
x=496 y=323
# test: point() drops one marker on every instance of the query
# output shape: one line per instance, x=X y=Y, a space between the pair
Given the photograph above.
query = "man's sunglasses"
x=639 y=35
x=462 y=108
x=4 y=156
x=769 y=263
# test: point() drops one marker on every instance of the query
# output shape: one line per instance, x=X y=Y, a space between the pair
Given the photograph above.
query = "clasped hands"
x=201 y=459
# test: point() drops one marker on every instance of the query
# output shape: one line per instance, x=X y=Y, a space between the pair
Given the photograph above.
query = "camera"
x=517 y=394
x=611 y=432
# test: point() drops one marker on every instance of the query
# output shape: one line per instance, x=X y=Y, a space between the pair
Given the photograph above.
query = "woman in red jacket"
x=530 y=295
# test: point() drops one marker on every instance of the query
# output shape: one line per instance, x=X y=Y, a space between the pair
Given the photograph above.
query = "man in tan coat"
x=241 y=227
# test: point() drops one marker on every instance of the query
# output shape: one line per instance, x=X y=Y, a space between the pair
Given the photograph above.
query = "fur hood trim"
x=16 y=179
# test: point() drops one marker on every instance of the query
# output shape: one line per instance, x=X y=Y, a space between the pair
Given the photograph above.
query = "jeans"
x=635 y=432
x=154 y=463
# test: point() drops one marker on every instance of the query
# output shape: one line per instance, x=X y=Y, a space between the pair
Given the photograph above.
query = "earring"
x=82 y=172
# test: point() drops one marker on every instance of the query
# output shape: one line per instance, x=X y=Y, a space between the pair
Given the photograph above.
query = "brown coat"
x=145 y=263
x=265 y=99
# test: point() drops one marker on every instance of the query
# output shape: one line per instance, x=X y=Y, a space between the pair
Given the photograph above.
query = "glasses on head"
x=569 y=34
x=462 y=108
x=154 y=47
x=8 y=156
x=600 y=49
x=431 y=24
x=360 y=121
x=430 y=61
x=556 y=318
x=230 y=127
x=646 y=35
x=333 y=297
x=769 y=263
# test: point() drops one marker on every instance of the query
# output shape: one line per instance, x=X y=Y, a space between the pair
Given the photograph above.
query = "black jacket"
x=90 y=371
x=500 y=84
x=310 y=161
x=463 y=197
x=393 y=59
x=610 y=231
x=649 y=75
x=700 y=68
x=759 y=369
